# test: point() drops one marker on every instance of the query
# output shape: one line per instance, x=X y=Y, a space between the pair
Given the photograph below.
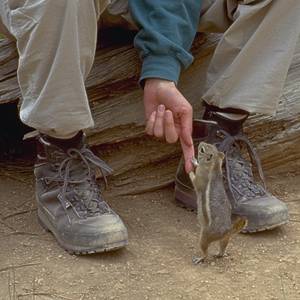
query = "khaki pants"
x=56 y=41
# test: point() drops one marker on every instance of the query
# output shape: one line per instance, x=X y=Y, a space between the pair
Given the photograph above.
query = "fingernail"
x=161 y=108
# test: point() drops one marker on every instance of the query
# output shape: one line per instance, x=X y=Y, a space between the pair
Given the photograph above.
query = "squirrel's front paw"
x=194 y=162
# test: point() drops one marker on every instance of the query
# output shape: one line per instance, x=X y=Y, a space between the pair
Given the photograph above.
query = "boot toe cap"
x=96 y=234
x=263 y=213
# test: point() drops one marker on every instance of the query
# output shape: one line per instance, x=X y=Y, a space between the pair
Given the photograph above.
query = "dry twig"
x=19 y=213
x=18 y=266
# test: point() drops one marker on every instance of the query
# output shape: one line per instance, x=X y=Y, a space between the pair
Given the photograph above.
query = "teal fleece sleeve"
x=167 y=30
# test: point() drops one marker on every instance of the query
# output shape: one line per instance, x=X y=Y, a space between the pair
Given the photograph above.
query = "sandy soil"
x=156 y=264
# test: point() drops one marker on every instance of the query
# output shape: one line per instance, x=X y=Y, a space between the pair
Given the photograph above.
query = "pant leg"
x=4 y=16
x=56 y=41
x=251 y=61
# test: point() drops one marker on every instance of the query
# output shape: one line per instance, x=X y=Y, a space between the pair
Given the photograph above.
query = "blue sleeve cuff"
x=160 y=66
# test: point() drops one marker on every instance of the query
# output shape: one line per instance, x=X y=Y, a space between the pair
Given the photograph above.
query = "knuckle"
x=187 y=109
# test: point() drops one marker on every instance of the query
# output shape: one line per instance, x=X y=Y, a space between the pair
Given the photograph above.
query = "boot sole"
x=79 y=250
x=188 y=202
x=263 y=228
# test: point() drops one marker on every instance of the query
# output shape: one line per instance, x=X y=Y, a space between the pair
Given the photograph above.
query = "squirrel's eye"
x=202 y=150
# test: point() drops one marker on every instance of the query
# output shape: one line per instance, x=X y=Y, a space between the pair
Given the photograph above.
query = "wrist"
x=158 y=83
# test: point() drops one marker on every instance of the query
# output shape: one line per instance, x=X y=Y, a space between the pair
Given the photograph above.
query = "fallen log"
x=143 y=164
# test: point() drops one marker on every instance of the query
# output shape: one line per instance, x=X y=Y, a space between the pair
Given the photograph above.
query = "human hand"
x=169 y=116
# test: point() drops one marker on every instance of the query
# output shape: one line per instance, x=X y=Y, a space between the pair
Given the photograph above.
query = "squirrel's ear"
x=221 y=155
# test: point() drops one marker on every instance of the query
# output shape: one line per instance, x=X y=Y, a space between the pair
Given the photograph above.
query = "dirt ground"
x=156 y=264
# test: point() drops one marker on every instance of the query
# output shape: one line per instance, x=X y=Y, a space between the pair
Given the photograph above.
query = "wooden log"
x=143 y=164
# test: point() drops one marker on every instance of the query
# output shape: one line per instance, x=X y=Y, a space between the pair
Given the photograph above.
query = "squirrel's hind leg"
x=223 y=246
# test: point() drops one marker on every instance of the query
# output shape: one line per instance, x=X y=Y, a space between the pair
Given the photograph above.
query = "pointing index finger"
x=188 y=154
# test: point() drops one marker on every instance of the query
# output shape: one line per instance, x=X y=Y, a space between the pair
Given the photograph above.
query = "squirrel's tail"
x=238 y=223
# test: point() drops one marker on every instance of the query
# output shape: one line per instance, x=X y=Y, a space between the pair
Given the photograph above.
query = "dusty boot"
x=249 y=197
x=70 y=204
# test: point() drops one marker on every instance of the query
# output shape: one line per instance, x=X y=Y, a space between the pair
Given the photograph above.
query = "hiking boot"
x=70 y=203
x=249 y=197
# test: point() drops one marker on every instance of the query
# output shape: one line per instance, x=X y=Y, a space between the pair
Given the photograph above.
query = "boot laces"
x=239 y=175
x=76 y=176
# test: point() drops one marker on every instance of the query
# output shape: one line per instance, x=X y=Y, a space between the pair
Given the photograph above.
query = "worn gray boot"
x=70 y=204
x=248 y=195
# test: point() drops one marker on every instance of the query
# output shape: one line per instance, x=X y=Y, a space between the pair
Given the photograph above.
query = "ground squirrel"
x=214 y=208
